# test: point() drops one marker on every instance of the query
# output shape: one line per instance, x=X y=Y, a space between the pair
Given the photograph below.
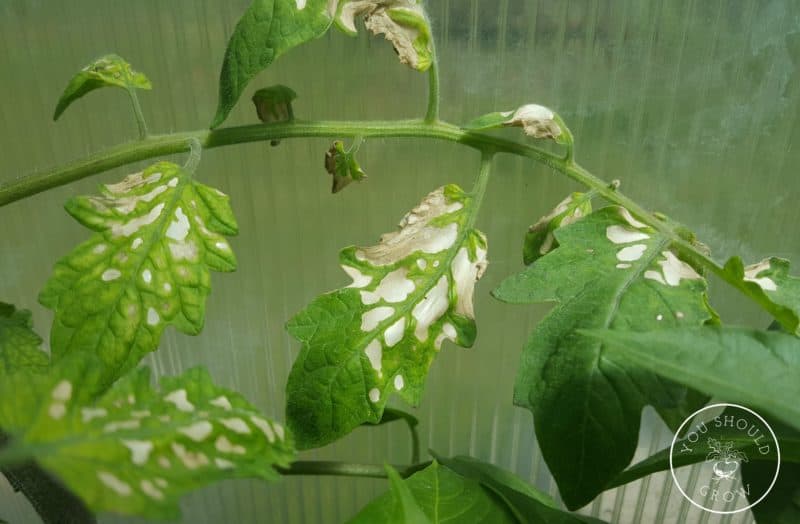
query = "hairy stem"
x=160 y=145
x=137 y=111
x=348 y=469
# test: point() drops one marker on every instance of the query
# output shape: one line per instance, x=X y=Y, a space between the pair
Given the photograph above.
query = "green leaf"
x=267 y=29
x=136 y=450
x=528 y=504
x=609 y=271
x=444 y=496
x=711 y=360
x=782 y=504
x=158 y=233
x=788 y=439
x=342 y=165
x=539 y=240
x=106 y=71
x=392 y=415
x=379 y=335
x=20 y=347
x=769 y=283
x=402 y=22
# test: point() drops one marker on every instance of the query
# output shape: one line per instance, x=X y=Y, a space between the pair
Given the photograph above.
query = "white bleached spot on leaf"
x=278 y=430
x=167 y=287
x=655 y=275
x=394 y=287
x=136 y=243
x=150 y=490
x=183 y=251
x=178 y=397
x=152 y=317
x=465 y=274
x=675 y=269
x=623 y=265
x=88 y=414
x=110 y=274
x=359 y=279
x=374 y=352
x=626 y=215
x=115 y=484
x=394 y=333
x=536 y=121
x=222 y=402
x=224 y=445
x=399 y=383
x=431 y=308
x=147 y=276
x=178 y=228
x=374 y=395
x=631 y=253
x=57 y=410
x=422 y=263
x=264 y=426
x=198 y=431
x=373 y=317
x=62 y=391
x=659 y=317
x=140 y=450
x=164 y=462
x=144 y=413
x=236 y=425
x=99 y=249
x=190 y=459
x=623 y=235
x=126 y=229
x=301 y=4
x=111 y=427
x=224 y=464
x=751 y=275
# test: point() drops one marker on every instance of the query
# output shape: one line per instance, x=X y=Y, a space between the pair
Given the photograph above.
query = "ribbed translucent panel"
x=692 y=104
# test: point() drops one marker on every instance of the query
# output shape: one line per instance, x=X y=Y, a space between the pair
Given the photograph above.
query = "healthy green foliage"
x=267 y=29
x=158 y=233
x=782 y=504
x=609 y=271
x=788 y=439
x=539 y=240
x=20 y=347
x=342 y=165
x=712 y=360
x=106 y=71
x=136 y=450
x=769 y=281
x=379 y=335
x=528 y=505
x=443 y=496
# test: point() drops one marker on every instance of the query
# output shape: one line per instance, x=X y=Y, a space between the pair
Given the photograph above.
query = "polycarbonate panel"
x=692 y=104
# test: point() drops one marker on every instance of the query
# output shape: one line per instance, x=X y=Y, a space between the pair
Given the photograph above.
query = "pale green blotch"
x=378 y=336
x=157 y=235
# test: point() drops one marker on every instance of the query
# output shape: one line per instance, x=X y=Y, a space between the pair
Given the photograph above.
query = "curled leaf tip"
x=342 y=165
x=536 y=121
x=402 y=22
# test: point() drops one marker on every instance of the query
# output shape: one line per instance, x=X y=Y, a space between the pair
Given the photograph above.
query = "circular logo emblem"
x=723 y=437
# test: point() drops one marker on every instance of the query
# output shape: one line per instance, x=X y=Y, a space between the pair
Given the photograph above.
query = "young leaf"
x=443 y=496
x=535 y=120
x=770 y=283
x=402 y=22
x=528 y=504
x=274 y=103
x=158 y=233
x=380 y=334
x=20 y=347
x=342 y=165
x=539 y=240
x=609 y=271
x=782 y=504
x=267 y=29
x=106 y=71
x=136 y=450
x=711 y=359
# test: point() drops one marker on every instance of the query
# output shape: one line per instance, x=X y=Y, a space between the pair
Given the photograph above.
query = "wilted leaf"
x=539 y=240
x=535 y=120
x=106 y=71
x=20 y=347
x=136 y=450
x=379 y=335
x=342 y=165
x=274 y=103
x=609 y=271
x=158 y=233
x=267 y=29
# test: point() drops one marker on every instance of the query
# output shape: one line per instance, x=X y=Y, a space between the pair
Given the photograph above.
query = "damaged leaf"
x=535 y=120
x=157 y=235
x=402 y=22
x=379 y=335
x=539 y=240
x=342 y=165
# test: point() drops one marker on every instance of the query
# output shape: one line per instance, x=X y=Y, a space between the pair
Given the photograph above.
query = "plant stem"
x=432 y=115
x=347 y=469
x=160 y=145
x=137 y=111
